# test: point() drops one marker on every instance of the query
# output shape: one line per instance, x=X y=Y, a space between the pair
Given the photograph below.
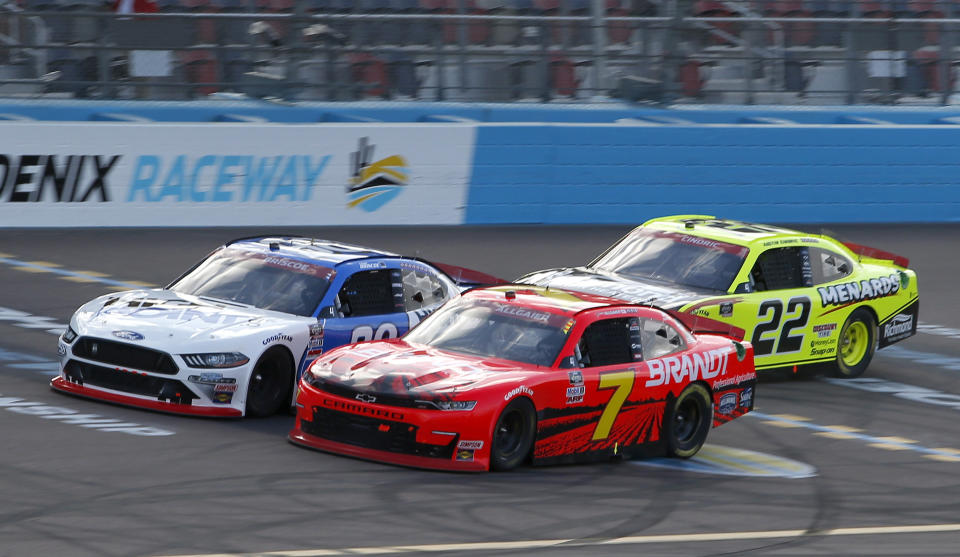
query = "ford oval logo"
x=128 y=335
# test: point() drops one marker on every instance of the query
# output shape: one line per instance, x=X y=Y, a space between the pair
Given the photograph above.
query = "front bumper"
x=174 y=387
x=65 y=386
x=419 y=438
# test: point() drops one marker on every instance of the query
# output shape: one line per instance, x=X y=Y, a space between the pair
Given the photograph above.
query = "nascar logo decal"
x=375 y=183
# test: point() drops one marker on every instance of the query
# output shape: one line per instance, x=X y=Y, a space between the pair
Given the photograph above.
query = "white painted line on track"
x=889 y=443
x=627 y=540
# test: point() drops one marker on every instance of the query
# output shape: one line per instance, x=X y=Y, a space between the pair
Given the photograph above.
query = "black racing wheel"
x=513 y=435
x=687 y=422
x=270 y=383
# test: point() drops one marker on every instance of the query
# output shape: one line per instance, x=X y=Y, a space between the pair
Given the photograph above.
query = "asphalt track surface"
x=885 y=463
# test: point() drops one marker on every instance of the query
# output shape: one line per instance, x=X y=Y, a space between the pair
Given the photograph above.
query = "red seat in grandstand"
x=369 y=73
x=929 y=9
x=928 y=60
x=618 y=32
x=200 y=66
x=875 y=8
x=690 y=78
x=799 y=33
x=714 y=8
x=563 y=77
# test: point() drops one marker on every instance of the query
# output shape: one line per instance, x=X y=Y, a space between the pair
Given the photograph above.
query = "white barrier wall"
x=119 y=174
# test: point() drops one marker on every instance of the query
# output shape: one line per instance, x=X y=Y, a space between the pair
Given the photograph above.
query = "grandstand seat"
x=926 y=61
x=200 y=66
x=930 y=9
x=828 y=34
x=402 y=76
x=563 y=77
x=714 y=8
x=690 y=78
x=503 y=32
x=795 y=34
x=618 y=32
x=369 y=75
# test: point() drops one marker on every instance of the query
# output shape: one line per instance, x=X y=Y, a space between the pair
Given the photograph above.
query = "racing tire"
x=687 y=422
x=270 y=383
x=513 y=435
x=856 y=345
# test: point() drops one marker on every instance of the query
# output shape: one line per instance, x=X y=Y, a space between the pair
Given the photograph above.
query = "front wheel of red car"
x=687 y=422
x=513 y=435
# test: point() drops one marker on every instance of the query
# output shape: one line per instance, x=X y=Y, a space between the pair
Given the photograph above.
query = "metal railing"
x=734 y=57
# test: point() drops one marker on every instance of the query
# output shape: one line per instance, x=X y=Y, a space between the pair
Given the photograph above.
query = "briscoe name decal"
x=672 y=369
x=866 y=289
x=69 y=178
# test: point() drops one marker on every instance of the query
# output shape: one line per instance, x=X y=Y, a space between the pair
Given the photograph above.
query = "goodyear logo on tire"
x=375 y=183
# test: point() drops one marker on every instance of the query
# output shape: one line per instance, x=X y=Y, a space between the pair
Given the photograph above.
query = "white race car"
x=233 y=335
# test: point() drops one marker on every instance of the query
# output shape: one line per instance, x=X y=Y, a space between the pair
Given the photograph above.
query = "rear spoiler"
x=468 y=278
x=705 y=325
x=875 y=253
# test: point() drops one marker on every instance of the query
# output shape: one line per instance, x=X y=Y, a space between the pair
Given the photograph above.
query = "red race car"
x=511 y=373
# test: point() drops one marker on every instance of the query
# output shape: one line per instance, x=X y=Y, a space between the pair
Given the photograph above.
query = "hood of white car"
x=161 y=316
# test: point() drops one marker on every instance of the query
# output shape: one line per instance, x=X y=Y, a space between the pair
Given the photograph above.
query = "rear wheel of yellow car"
x=513 y=435
x=687 y=421
x=856 y=345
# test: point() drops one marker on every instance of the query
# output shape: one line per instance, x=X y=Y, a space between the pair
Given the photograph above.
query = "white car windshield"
x=261 y=280
x=675 y=258
x=494 y=330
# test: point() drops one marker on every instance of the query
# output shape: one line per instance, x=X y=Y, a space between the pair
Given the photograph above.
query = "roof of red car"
x=566 y=301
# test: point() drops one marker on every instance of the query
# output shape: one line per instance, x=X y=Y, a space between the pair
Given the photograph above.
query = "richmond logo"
x=374 y=183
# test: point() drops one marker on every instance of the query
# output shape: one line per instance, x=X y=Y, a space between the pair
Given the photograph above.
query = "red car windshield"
x=261 y=280
x=675 y=258
x=493 y=329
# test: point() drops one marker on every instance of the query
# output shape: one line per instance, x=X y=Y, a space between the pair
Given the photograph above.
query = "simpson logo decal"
x=374 y=183
x=471 y=445
x=673 y=369
x=521 y=389
x=866 y=289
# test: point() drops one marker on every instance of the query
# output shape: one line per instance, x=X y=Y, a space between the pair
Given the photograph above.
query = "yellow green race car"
x=798 y=298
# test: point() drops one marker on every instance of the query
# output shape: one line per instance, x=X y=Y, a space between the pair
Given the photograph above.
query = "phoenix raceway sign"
x=220 y=174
